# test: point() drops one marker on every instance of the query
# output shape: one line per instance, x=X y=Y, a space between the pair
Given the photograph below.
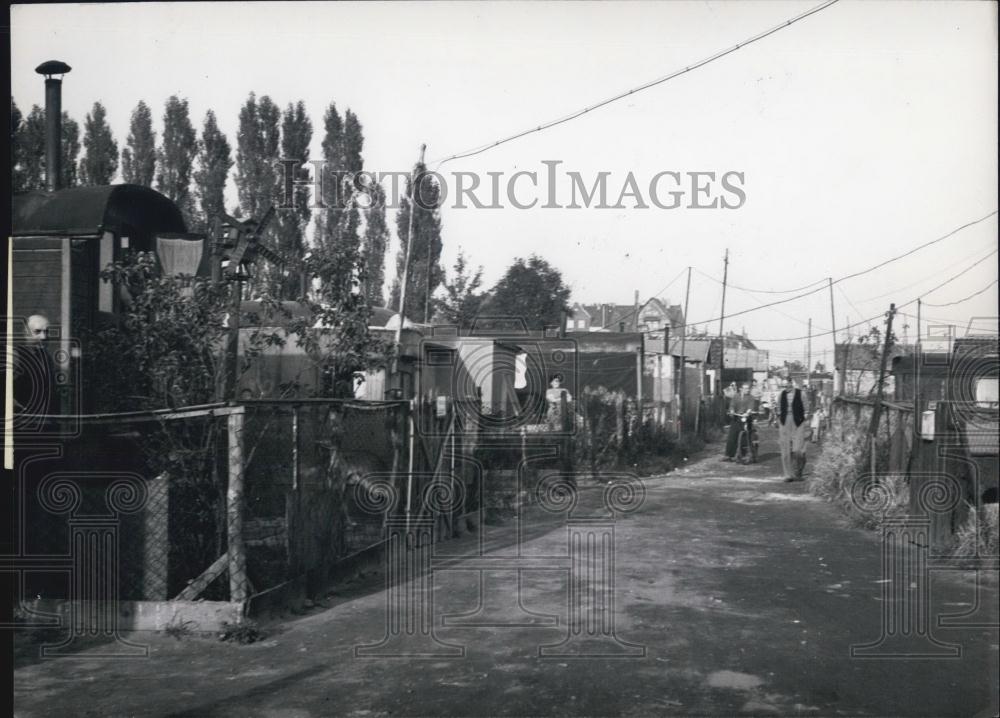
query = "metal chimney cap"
x=53 y=67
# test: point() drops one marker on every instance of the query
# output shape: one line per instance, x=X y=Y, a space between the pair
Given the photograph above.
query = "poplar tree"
x=139 y=153
x=337 y=260
x=296 y=134
x=376 y=241
x=16 y=154
x=257 y=145
x=175 y=157
x=100 y=160
x=70 y=144
x=214 y=162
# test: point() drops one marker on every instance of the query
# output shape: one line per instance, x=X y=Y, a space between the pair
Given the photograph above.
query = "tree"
x=296 y=134
x=376 y=241
x=337 y=260
x=100 y=161
x=139 y=154
x=214 y=162
x=30 y=149
x=175 y=158
x=17 y=178
x=532 y=291
x=461 y=303
x=70 y=150
x=257 y=144
x=863 y=359
x=425 y=273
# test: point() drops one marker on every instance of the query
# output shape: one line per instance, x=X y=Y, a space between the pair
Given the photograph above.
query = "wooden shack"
x=61 y=242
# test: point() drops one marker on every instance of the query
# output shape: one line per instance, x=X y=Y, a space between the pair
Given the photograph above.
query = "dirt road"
x=735 y=593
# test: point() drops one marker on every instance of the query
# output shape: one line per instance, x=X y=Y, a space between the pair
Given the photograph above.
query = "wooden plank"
x=234 y=512
x=196 y=587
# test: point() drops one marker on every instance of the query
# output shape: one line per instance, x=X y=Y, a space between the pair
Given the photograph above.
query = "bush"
x=978 y=535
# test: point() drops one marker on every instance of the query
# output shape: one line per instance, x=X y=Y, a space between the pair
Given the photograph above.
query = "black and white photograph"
x=569 y=358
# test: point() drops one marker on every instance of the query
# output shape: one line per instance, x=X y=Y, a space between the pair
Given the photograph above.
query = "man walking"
x=792 y=414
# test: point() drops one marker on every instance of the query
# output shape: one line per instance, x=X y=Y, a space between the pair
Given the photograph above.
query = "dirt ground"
x=733 y=594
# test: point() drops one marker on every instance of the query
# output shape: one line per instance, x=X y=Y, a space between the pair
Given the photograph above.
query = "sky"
x=857 y=134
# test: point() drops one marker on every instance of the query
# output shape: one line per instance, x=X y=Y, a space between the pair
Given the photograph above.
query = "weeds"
x=245 y=632
x=836 y=475
x=178 y=629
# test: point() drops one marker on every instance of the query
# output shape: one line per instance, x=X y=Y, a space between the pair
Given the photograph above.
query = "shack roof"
x=696 y=350
x=90 y=211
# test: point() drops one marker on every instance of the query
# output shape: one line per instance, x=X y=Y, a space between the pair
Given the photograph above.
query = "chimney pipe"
x=53 y=120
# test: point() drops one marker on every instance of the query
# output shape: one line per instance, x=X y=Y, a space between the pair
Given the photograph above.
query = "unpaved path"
x=745 y=593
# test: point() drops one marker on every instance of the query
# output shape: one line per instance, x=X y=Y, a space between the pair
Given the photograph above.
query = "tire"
x=743 y=448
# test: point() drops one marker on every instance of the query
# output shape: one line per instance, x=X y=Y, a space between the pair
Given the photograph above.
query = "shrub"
x=978 y=535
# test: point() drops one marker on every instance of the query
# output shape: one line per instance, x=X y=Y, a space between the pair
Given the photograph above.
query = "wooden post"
x=234 y=511
x=409 y=468
x=683 y=399
x=233 y=345
x=638 y=380
x=396 y=377
x=880 y=388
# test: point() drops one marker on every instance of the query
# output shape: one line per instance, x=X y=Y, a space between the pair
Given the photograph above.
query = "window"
x=987 y=392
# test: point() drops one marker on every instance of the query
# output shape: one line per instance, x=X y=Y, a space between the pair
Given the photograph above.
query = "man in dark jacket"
x=793 y=410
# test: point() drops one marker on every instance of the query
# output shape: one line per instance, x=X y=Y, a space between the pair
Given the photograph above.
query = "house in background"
x=651 y=315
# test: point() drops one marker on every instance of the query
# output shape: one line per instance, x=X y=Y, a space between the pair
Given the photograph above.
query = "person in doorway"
x=34 y=377
x=738 y=405
x=792 y=414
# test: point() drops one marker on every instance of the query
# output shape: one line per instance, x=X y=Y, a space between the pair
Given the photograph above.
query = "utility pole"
x=880 y=387
x=397 y=379
x=722 y=316
x=809 y=353
x=833 y=333
x=683 y=399
x=919 y=302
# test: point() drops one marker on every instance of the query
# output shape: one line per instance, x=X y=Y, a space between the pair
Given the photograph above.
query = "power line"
x=899 y=306
x=937 y=272
x=640 y=88
x=784 y=314
x=965 y=299
x=863 y=271
x=761 y=291
x=848 y=300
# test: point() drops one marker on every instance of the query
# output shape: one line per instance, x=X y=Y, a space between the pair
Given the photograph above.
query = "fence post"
x=156 y=539
x=234 y=510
